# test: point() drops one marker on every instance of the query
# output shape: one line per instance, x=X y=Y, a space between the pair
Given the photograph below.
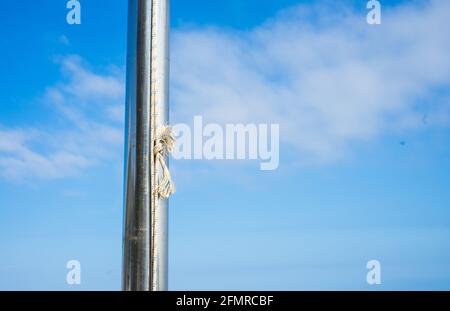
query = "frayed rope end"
x=164 y=143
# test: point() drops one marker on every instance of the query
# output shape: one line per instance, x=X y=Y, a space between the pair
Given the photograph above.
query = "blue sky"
x=365 y=123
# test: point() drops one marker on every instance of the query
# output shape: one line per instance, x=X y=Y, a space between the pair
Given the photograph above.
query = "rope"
x=164 y=186
x=164 y=142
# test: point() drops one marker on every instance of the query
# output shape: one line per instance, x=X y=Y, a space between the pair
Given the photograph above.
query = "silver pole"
x=145 y=257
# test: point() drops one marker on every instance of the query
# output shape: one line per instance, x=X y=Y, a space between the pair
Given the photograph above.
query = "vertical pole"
x=145 y=214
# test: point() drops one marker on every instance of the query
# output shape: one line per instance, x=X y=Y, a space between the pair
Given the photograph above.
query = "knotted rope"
x=164 y=142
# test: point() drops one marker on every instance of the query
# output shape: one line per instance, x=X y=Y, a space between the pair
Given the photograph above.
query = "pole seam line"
x=153 y=206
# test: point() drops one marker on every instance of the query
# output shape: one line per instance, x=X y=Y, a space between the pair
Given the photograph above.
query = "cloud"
x=320 y=71
x=86 y=85
x=18 y=159
x=89 y=109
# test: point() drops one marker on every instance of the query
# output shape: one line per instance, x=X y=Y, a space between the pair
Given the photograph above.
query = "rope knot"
x=164 y=142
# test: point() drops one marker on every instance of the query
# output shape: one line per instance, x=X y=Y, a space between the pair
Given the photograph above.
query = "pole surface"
x=145 y=215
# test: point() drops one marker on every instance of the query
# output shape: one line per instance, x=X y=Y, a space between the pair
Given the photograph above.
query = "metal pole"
x=145 y=217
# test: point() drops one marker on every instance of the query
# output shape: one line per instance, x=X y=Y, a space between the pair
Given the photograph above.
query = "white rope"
x=164 y=142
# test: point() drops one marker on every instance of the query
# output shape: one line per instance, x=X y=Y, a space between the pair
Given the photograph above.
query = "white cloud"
x=88 y=106
x=18 y=159
x=321 y=71
x=86 y=85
